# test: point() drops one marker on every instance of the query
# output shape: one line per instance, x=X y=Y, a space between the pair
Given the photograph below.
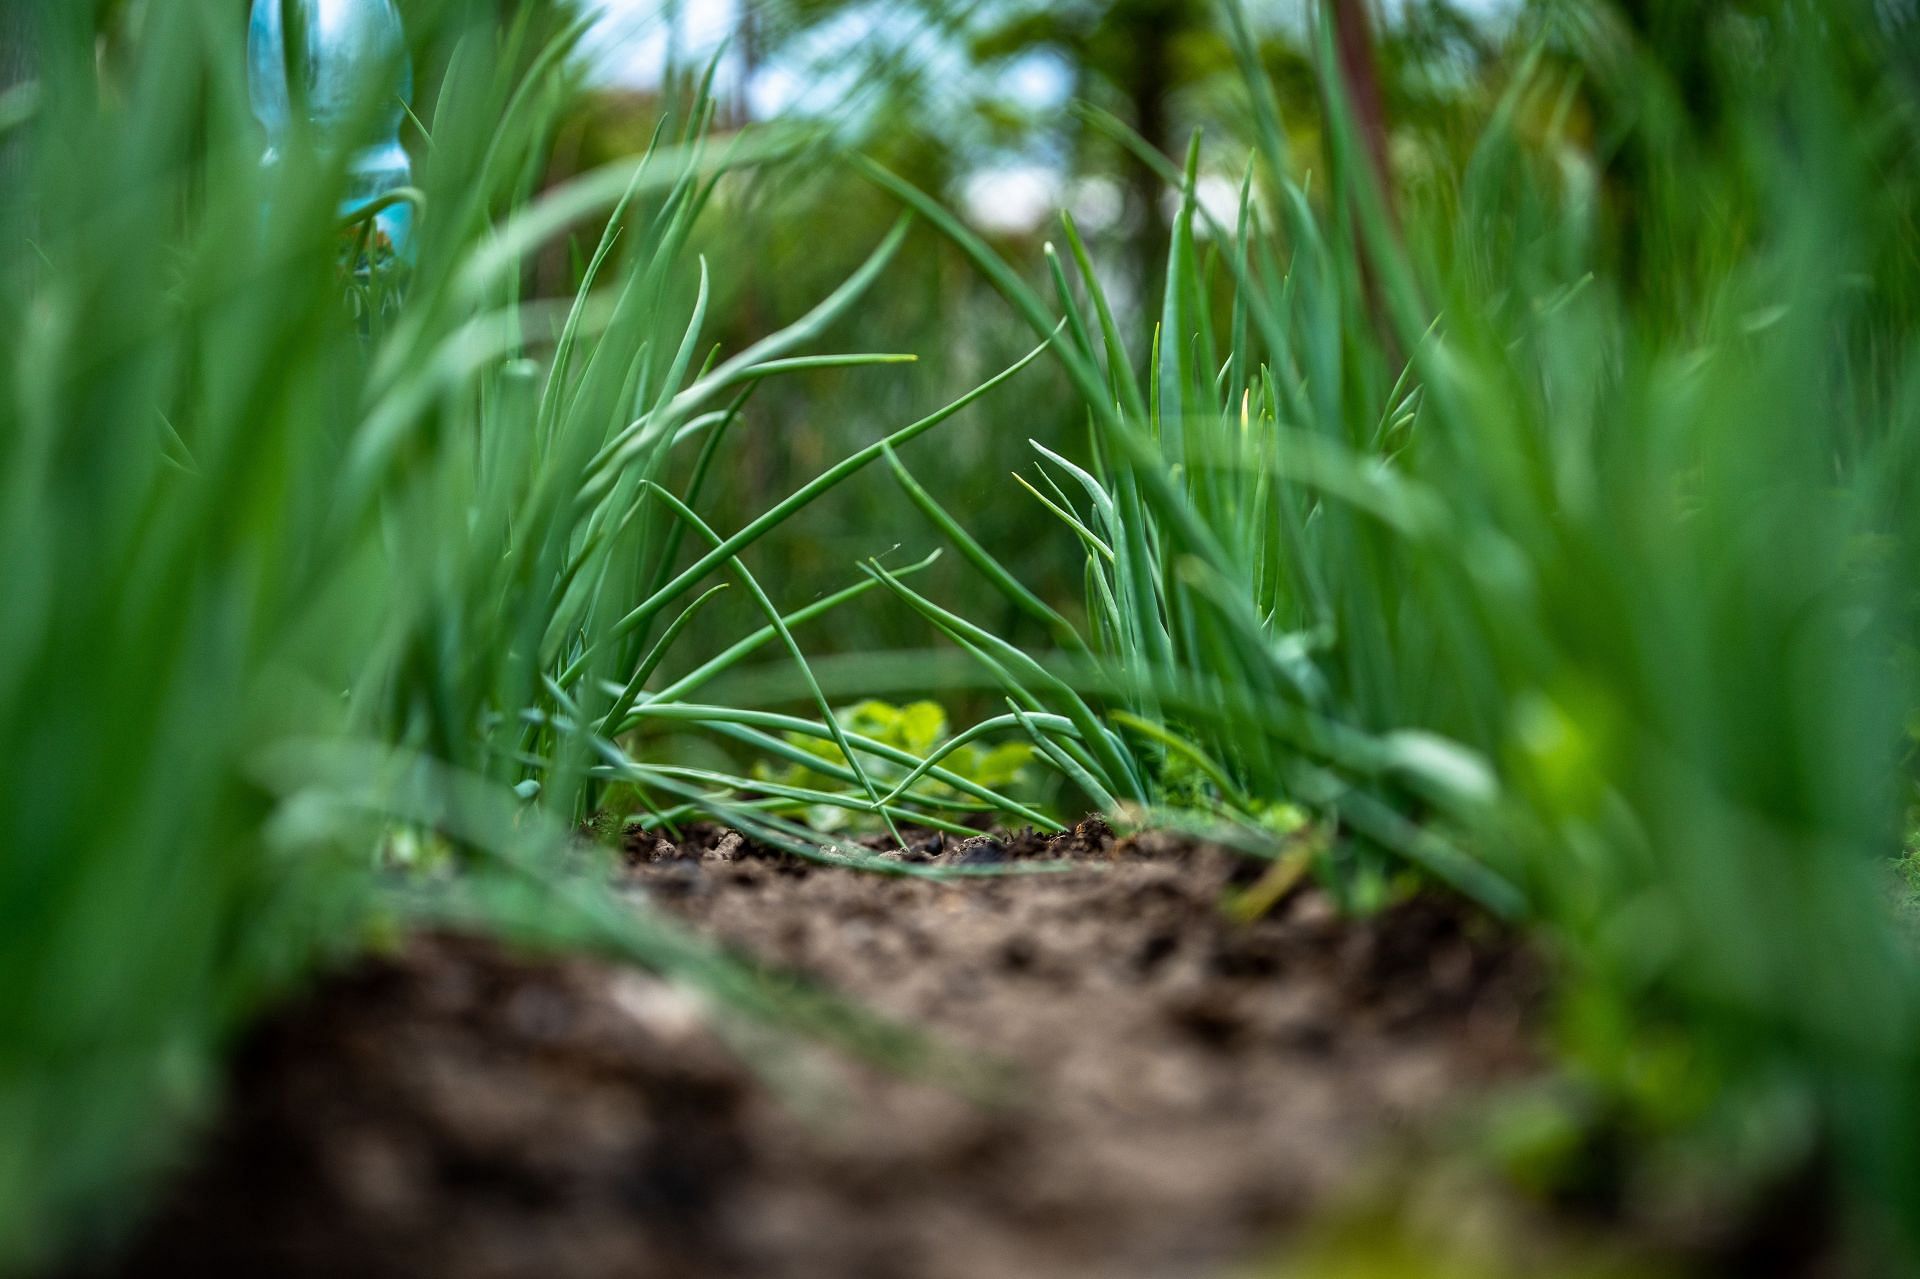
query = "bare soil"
x=1185 y=1086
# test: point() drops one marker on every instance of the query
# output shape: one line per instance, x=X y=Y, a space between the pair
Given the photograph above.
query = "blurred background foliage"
x=994 y=107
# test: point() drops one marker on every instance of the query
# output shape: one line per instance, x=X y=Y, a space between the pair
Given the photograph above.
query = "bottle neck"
x=344 y=76
x=345 y=71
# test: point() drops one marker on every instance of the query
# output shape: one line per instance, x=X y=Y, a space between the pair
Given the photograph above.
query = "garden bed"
x=1162 y=1087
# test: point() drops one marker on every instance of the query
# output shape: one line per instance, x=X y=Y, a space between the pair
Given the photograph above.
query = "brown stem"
x=1367 y=108
x=1360 y=81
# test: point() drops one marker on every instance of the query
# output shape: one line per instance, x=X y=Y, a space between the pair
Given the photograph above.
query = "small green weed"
x=918 y=730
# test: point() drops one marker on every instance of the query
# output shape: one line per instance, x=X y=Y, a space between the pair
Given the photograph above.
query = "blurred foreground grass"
x=292 y=578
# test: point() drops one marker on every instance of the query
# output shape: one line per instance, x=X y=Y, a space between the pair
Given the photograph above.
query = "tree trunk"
x=1152 y=27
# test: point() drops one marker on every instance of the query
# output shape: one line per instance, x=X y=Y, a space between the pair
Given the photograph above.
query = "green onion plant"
x=313 y=569
x=1543 y=528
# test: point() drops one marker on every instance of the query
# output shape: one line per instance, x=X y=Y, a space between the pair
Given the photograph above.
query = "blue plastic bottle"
x=348 y=49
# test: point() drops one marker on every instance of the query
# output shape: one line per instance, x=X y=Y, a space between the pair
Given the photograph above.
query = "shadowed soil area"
x=1178 y=1081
